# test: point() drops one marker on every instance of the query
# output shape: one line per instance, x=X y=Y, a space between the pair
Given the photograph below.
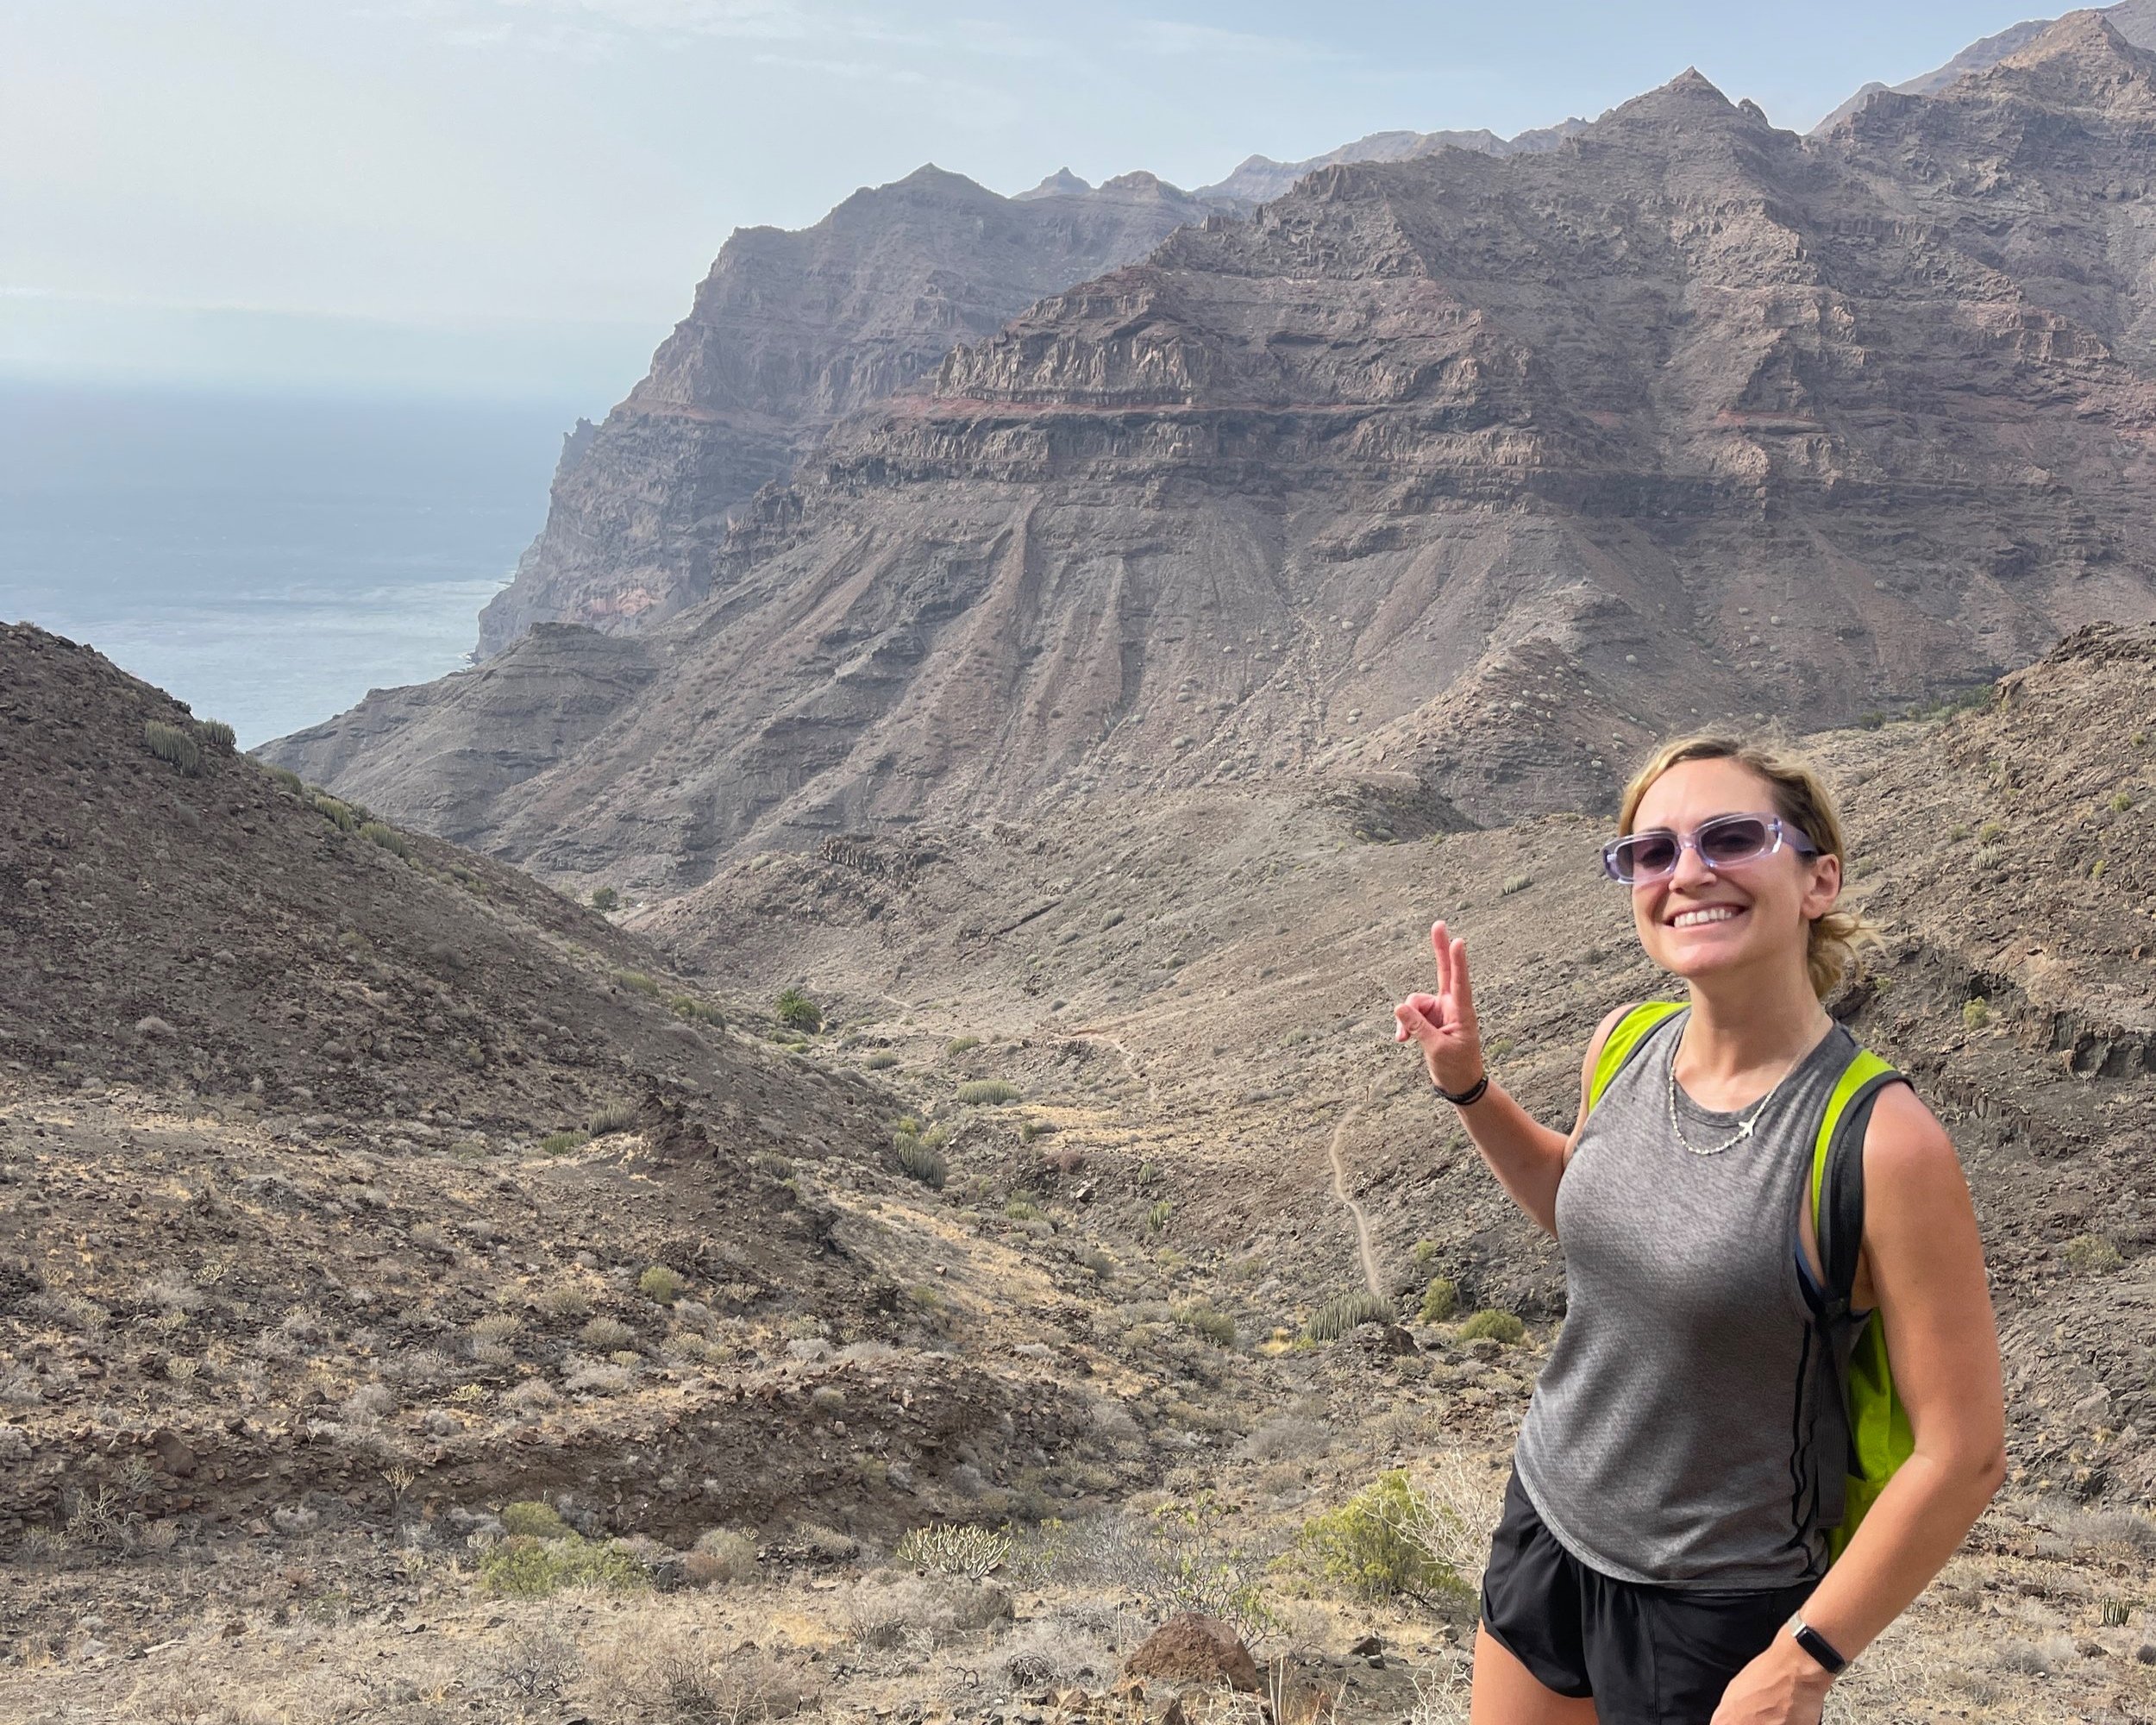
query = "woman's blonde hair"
x=1801 y=798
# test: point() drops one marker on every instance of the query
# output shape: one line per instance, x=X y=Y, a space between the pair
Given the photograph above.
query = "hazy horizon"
x=514 y=198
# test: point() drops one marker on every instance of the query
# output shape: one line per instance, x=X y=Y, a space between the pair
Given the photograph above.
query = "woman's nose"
x=1691 y=867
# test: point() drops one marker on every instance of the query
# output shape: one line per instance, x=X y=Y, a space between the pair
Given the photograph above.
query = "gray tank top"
x=1675 y=1436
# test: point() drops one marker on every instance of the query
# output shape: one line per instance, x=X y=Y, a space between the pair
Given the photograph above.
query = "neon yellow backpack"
x=1880 y=1440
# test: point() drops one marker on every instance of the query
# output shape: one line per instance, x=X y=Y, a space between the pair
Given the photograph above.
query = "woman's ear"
x=1824 y=887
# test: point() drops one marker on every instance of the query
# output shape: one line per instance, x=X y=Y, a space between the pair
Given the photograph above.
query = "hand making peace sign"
x=1443 y=1023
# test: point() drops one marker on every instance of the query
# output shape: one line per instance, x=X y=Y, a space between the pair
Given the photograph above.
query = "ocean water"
x=267 y=559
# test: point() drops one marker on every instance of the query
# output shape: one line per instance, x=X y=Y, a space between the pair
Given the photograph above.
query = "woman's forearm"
x=1526 y=1156
x=1916 y=1525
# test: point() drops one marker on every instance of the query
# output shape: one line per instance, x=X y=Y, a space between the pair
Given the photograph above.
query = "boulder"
x=1192 y=1649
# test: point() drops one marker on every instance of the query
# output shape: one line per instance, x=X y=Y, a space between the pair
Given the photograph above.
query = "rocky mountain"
x=1440 y=484
x=789 y=333
x=1258 y=179
x=2135 y=20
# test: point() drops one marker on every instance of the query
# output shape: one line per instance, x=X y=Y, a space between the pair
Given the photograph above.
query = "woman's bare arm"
x=1927 y=1267
x=1527 y=1157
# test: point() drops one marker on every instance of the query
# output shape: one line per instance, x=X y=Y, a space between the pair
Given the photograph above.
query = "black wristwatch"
x=1818 y=1646
x=1472 y=1094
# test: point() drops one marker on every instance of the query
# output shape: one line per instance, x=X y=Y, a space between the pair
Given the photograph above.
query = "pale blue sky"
x=518 y=195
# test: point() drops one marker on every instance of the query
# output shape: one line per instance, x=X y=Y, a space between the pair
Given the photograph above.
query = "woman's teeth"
x=1712 y=914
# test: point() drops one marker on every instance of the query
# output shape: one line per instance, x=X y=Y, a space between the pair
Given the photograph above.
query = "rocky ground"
x=386 y=1391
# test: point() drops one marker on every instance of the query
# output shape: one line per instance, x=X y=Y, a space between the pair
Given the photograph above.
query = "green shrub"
x=531 y=1569
x=1990 y=832
x=660 y=1284
x=1440 y=1300
x=1378 y=1546
x=290 y=780
x=606 y=1335
x=567 y=1300
x=1158 y=1217
x=1498 y=1327
x=1975 y=1014
x=2096 y=868
x=339 y=814
x=637 y=980
x=720 y=1555
x=922 y=1162
x=1340 y=1317
x=2121 y=801
x=989 y=1092
x=797 y=1011
x=1516 y=883
x=960 y=1044
x=615 y=1117
x=387 y=836
x=2093 y=1255
x=1019 y=1210
x=169 y=743
x=1217 y=1327
x=974 y=1553
x=1425 y=1253
x=218 y=734
x=533 y=1520
x=695 y=1011
x=561 y=1142
x=605 y=899
x=881 y=1060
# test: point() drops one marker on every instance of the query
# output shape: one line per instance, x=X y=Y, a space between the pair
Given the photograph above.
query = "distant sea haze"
x=268 y=559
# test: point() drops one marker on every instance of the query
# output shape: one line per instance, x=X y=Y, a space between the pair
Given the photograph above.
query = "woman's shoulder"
x=1904 y=1140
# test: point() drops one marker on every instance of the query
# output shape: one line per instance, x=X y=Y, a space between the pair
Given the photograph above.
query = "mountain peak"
x=2086 y=37
x=1061 y=183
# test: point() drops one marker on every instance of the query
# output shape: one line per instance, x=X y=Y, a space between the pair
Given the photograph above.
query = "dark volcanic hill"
x=1445 y=476
x=791 y=331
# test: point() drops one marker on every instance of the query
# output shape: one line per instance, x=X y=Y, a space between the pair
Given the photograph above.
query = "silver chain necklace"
x=1743 y=1125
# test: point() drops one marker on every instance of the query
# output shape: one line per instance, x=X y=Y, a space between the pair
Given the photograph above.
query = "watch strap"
x=1818 y=1646
x=1471 y=1094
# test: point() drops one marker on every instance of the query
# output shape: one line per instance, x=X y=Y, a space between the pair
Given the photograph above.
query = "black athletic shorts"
x=1648 y=1655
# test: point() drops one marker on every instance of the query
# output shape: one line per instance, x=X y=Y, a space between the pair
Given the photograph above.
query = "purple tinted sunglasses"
x=1722 y=842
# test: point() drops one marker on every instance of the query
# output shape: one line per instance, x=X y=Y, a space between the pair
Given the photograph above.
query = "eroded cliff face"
x=1450 y=482
x=790 y=332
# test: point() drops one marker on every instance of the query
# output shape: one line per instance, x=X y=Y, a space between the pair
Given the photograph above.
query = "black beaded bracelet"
x=1473 y=1093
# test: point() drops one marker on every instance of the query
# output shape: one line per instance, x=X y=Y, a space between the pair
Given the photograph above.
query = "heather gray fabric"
x=1675 y=1434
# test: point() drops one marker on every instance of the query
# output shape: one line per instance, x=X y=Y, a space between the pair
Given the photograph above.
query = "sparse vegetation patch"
x=170 y=743
x=1346 y=1315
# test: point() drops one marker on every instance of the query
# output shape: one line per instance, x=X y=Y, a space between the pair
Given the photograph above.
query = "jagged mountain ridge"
x=1445 y=479
x=793 y=331
x=1257 y=178
x=2135 y=20
x=789 y=332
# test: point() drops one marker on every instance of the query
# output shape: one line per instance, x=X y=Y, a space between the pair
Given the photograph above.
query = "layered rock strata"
x=1461 y=477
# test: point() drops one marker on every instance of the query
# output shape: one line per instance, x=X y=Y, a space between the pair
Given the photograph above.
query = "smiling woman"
x=1778 y=1352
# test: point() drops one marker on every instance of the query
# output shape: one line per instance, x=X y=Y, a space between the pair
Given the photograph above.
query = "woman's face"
x=1751 y=916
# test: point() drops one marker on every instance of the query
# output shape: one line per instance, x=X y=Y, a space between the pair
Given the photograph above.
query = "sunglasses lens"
x=1732 y=839
x=1645 y=853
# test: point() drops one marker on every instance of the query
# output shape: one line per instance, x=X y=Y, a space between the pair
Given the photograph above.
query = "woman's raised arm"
x=1527 y=1157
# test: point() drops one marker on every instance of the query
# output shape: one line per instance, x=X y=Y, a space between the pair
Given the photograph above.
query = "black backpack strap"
x=1839 y=1220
